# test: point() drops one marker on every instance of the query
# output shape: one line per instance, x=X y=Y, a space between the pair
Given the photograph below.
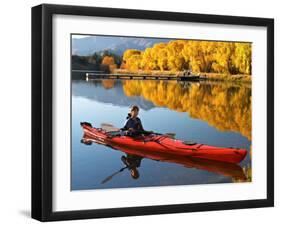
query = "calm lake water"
x=211 y=113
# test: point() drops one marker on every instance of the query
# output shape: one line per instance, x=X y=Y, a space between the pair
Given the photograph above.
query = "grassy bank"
x=144 y=72
x=226 y=77
x=207 y=76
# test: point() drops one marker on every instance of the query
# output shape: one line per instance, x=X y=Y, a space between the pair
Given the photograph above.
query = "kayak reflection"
x=133 y=158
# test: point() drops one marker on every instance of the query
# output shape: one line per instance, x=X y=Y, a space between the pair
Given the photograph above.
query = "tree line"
x=176 y=55
x=102 y=61
x=198 y=56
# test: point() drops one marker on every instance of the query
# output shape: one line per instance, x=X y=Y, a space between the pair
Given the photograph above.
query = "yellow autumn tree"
x=131 y=53
x=198 y=56
x=242 y=57
x=108 y=64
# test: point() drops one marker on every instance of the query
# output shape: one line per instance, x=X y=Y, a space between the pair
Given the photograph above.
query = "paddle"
x=112 y=175
x=111 y=128
x=171 y=135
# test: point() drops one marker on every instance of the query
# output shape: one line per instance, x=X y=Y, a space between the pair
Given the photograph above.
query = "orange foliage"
x=199 y=56
x=223 y=106
x=108 y=63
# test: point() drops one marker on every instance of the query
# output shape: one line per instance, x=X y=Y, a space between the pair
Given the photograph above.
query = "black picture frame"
x=42 y=111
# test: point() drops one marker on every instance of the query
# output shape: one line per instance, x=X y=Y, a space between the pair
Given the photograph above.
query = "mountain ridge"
x=89 y=45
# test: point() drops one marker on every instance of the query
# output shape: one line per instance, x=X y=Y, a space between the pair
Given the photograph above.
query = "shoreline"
x=203 y=76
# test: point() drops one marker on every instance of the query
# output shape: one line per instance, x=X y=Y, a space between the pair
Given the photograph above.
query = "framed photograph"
x=145 y=112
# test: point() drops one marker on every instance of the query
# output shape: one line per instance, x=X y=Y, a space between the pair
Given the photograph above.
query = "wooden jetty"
x=90 y=76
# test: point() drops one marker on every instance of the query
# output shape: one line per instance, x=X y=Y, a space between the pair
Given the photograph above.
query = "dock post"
x=87 y=77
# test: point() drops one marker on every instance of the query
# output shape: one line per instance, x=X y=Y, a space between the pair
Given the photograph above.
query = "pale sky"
x=80 y=36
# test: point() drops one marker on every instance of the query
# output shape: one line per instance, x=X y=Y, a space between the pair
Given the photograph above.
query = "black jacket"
x=135 y=124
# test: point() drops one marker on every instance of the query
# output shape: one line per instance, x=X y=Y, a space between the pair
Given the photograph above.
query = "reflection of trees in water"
x=226 y=107
x=248 y=175
x=108 y=83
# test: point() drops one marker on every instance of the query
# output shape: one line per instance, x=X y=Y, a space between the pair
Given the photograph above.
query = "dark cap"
x=135 y=108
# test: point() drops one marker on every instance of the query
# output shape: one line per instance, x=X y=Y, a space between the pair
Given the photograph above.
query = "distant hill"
x=117 y=45
x=82 y=63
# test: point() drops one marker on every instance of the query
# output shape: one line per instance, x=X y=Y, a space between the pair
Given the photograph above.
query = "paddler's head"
x=134 y=173
x=134 y=111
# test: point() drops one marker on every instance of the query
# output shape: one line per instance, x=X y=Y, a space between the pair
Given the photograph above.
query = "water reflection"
x=109 y=92
x=217 y=114
x=224 y=106
x=133 y=157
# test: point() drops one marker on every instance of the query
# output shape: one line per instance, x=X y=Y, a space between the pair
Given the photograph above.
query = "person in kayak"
x=133 y=125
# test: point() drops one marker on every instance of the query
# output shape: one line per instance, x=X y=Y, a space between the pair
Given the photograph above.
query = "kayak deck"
x=165 y=144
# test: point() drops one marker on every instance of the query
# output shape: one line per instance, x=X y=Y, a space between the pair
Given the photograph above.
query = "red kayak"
x=224 y=168
x=162 y=143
